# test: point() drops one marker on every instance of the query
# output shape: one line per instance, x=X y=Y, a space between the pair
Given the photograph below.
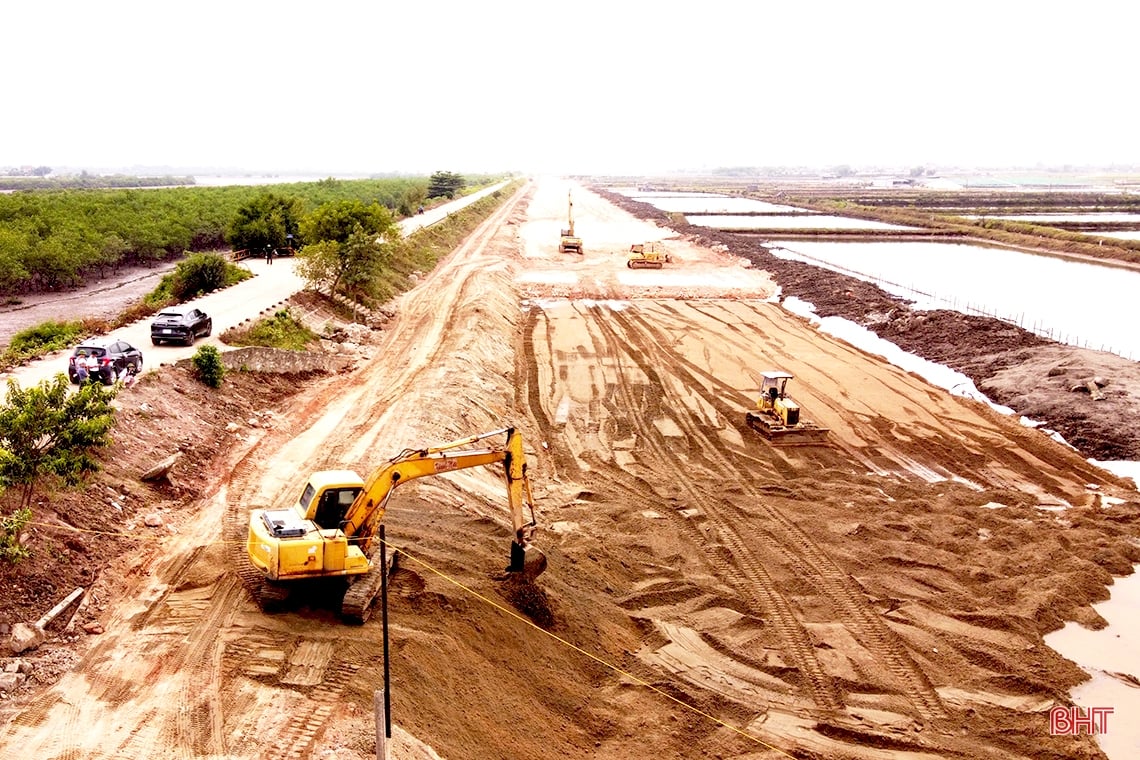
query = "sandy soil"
x=708 y=595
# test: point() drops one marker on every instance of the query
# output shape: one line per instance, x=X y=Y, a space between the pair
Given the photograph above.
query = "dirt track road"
x=711 y=596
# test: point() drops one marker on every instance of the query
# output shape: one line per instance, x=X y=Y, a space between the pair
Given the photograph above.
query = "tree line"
x=55 y=239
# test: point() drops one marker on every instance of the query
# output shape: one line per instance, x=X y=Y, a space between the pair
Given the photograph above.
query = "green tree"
x=14 y=248
x=349 y=243
x=267 y=221
x=445 y=185
x=413 y=197
x=50 y=431
x=337 y=221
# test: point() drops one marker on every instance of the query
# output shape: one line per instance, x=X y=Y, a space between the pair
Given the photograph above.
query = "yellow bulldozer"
x=777 y=415
x=570 y=243
x=648 y=256
x=330 y=534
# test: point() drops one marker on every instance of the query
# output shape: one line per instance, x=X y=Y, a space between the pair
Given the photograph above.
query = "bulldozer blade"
x=804 y=434
x=527 y=562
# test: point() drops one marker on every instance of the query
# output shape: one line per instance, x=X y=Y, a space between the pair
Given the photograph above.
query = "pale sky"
x=584 y=87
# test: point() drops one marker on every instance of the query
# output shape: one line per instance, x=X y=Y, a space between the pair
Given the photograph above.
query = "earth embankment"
x=708 y=594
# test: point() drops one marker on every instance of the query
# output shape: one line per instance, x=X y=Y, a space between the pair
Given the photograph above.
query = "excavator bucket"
x=779 y=434
x=527 y=562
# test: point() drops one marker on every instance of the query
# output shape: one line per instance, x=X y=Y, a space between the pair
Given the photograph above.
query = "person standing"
x=81 y=368
x=269 y=255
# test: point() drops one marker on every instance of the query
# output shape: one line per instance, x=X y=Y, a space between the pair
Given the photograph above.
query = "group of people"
x=86 y=366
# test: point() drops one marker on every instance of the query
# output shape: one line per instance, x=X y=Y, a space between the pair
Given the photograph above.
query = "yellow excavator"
x=331 y=532
x=570 y=243
x=777 y=415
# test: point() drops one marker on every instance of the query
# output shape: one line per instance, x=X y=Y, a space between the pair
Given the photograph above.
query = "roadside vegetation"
x=282 y=330
x=361 y=258
x=208 y=367
x=48 y=437
x=43 y=339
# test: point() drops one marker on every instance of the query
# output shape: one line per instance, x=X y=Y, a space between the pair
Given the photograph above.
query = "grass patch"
x=41 y=339
x=282 y=330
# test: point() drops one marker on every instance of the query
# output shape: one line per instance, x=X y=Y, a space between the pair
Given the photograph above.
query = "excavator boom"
x=570 y=243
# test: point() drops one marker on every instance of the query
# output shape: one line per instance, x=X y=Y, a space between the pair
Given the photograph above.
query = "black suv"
x=103 y=359
x=180 y=323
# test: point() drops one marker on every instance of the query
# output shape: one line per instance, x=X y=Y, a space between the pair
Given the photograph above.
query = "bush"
x=11 y=550
x=199 y=273
x=209 y=367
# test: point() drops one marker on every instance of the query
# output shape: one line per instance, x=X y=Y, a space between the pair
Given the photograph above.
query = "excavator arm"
x=362 y=520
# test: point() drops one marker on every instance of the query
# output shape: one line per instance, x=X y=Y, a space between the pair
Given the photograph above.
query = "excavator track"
x=360 y=598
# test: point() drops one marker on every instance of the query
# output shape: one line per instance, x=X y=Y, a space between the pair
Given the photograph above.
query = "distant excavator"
x=330 y=534
x=570 y=243
x=777 y=415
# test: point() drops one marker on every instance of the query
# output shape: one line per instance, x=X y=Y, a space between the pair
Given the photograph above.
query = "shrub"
x=11 y=550
x=209 y=367
x=199 y=273
x=43 y=338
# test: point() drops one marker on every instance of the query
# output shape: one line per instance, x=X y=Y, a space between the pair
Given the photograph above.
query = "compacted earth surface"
x=882 y=595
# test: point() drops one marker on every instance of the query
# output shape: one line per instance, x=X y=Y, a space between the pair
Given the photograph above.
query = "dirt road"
x=708 y=595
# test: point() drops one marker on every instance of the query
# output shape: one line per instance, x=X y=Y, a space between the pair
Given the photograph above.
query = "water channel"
x=1072 y=302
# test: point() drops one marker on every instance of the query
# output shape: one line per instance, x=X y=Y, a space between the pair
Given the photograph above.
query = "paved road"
x=269 y=288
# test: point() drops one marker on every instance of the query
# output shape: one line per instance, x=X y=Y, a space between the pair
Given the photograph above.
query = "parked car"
x=180 y=323
x=103 y=359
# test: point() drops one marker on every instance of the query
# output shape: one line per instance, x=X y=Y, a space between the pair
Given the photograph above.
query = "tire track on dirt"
x=784 y=536
x=733 y=561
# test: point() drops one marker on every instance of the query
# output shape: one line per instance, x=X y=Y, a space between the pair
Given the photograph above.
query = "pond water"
x=707 y=204
x=810 y=222
x=1098 y=216
x=1072 y=302
x=1105 y=655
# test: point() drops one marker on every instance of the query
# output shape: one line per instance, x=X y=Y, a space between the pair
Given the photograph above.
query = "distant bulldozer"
x=648 y=256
